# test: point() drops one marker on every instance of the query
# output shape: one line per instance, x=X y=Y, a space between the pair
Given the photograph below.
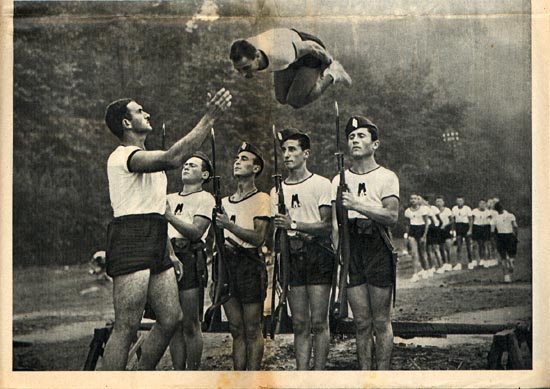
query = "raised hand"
x=217 y=105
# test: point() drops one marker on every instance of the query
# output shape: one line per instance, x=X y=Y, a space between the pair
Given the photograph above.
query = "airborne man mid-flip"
x=302 y=67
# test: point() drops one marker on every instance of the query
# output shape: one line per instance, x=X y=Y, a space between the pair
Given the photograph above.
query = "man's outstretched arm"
x=313 y=48
x=158 y=160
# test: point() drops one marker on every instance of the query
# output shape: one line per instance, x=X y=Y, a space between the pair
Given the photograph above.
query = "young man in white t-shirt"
x=308 y=225
x=491 y=244
x=445 y=237
x=432 y=240
x=302 y=67
x=189 y=213
x=138 y=246
x=245 y=220
x=506 y=228
x=416 y=235
x=462 y=225
x=481 y=231
x=373 y=207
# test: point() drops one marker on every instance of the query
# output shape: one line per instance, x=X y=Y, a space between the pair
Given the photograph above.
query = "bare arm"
x=334 y=226
x=255 y=237
x=193 y=231
x=470 y=224
x=425 y=234
x=312 y=48
x=321 y=228
x=386 y=215
x=158 y=160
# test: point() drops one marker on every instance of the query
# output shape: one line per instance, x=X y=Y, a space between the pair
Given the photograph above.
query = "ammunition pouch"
x=184 y=247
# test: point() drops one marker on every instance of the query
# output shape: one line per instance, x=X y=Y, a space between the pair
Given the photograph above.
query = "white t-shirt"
x=134 y=193
x=445 y=216
x=371 y=187
x=462 y=214
x=481 y=218
x=303 y=199
x=504 y=222
x=186 y=207
x=244 y=212
x=416 y=216
x=278 y=46
x=434 y=211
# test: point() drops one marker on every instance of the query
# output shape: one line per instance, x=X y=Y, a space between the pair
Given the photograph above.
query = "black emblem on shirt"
x=233 y=218
x=295 y=201
x=179 y=209
x=362 y=189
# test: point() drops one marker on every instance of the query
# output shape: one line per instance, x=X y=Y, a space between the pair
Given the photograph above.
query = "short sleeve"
x=390 y=187
x=334 y=188
x=206 y=205
x=263 y=206
x=407 y=213
x=120 y=158
x=325 y=192
x=469 y=212
x=512 y=218
x=273 y=201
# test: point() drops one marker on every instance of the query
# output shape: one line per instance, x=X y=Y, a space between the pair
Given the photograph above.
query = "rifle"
x=281 y=255
x=220 y=278
x=163 y=136
x=338 y=302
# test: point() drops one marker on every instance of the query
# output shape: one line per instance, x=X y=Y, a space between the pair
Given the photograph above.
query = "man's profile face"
x=138 y=119
x=244 y=164
x=360 y=143
x=192 y=172
x=293 y=155
x=247 y=66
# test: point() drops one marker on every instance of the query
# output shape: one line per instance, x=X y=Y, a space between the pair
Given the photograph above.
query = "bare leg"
x=190 y=343
x=234 y=313
x=163 y=297
x=414 y=251
x=459 y=240
x=422 y=255
x=469 y=248
x=301 y=324
x=380 y=305
x=360 y=306
x=253 y=332
x=318 y=301
x=129 y=297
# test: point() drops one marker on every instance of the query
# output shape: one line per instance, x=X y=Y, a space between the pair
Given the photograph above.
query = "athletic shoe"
x=458 y=266
x=474 y=262
x=430 y=272
x=424 y=274
x=441 y=270
x=338 y=74
x=448 y=267
x=493 y=262
x=482 y=262
x=507 y=278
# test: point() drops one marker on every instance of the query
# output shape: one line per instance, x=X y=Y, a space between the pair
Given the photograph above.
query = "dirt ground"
x=56 y=310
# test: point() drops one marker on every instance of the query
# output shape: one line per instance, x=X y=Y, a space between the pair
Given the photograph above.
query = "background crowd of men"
x=432 y=230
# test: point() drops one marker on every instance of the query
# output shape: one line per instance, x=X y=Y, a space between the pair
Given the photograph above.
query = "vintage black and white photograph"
x=269 y=185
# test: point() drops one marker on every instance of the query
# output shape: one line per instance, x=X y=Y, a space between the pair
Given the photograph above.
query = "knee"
x=236 y=330
x=190 y=327
x=301 y=327
x=382 y=326
x=125 y=327
x=171 y=320
x=252 y=331
x=363 y=325
x=319 y=326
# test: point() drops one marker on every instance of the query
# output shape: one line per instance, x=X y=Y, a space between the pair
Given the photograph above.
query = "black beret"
x=358 y=121
x=208 y=163
x=245 y=146
x=284 y=135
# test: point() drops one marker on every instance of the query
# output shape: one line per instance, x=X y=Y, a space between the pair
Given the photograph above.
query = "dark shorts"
x=433 y=235
x=507 y=244
x=462 y=229
x=482 y=233
x=247 y=278
x=137 y=242
x=371 y=260
x=444 y=234
x=195 y=273
x=308 y=60
x=310 y=264
x=416 y=232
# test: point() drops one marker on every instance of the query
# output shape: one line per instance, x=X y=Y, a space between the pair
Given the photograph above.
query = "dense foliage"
x=76 y=58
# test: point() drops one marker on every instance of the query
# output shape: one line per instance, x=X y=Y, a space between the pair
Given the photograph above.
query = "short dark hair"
x=440 y=197
x=242 y=48
x=115 y=113
x=303 y=140
x=498 y=207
